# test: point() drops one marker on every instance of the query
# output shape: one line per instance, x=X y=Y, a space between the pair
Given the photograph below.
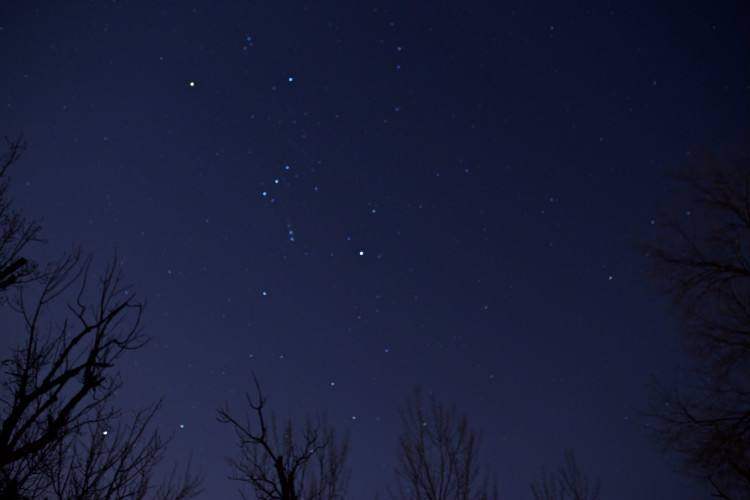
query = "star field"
x=353 y=199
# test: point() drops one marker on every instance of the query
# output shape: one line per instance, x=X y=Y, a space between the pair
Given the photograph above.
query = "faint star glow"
x=361 y=253
x=191 y=83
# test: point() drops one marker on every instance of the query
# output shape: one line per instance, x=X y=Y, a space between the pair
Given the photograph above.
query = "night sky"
x=354 y=198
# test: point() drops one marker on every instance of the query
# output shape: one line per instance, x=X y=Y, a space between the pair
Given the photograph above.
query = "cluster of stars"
x=248 y=42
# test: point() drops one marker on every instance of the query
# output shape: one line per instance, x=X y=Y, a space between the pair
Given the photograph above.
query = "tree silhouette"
x=702 y=262
x=280 y=462
x=438 y=454
x=16 y=232
x=116 y=458
x=60 y=434
x=567 y=483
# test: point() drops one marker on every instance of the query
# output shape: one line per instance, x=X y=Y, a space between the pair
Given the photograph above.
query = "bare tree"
x=567 y=483
x=16 y=232
x=61 y=374
x=702 y=260
x=439 y=454
x=115 y=458
x=282 y=463
x=60 y=434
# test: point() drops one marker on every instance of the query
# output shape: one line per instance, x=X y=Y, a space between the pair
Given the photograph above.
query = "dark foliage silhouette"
x=702 y=261
x=281 y=462
x=16 y=232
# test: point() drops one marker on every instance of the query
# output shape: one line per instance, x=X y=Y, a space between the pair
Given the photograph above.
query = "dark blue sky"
x=382 y=195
